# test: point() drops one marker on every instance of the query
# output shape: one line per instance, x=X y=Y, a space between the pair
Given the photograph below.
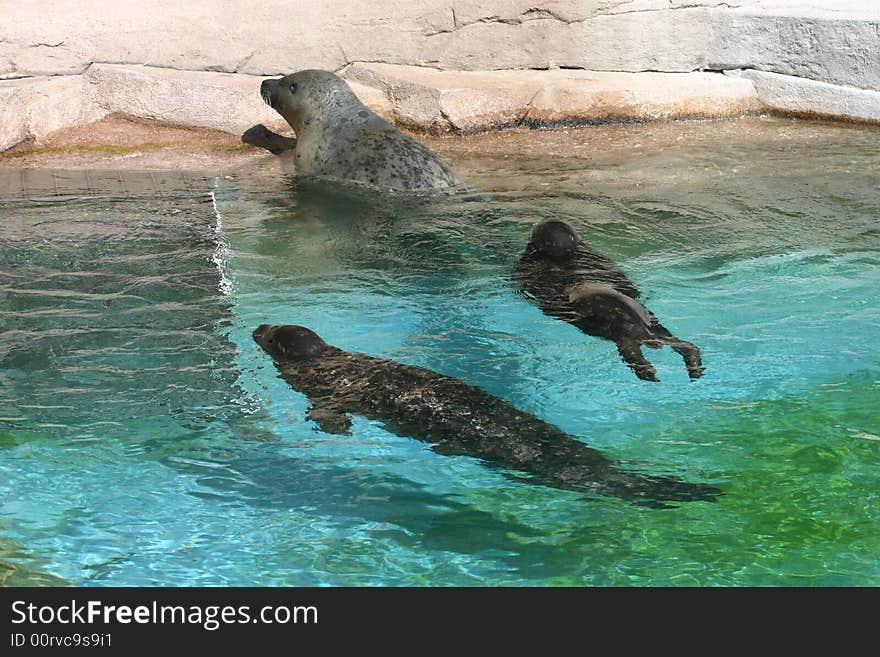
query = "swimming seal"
x=456 y=418
x=584 y=288
x=337 y=136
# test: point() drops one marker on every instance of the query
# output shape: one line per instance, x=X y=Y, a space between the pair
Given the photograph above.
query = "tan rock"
x=447 y=66
x=808 y=97
x=471 y=101
x=35 y=107
x=32 y=108
x=222 y=101
x=443 y=101
x=831 y=42
x=579 y=96
x=497 y=44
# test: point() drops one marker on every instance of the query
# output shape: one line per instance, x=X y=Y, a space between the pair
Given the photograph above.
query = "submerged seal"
x=337 y=136
x=584 y=288
x=456 y=418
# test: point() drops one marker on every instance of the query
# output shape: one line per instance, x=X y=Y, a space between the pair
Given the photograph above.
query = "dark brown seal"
x=455 y=417
x=584 y=288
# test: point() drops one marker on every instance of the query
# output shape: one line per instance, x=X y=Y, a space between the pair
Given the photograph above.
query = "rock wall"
x=141 y=57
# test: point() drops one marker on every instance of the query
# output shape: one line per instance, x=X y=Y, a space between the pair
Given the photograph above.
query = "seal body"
x=337 y=136
x=584 y=288
x=456 y=418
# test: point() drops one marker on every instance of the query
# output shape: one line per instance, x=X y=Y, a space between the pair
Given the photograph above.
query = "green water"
x=144 y=438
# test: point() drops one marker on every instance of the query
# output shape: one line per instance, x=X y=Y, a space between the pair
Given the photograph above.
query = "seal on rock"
x=584 y=288
x=455 y=417
x=337 y=136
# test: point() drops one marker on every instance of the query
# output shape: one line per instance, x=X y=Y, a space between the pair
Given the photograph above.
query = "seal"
x=584 y=288
x=337 y=136
x=260 y=136
x=455 y=417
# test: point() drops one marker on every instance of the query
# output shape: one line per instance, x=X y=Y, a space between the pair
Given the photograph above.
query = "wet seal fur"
x=584 y=288
x=456 y=418
x=337 y=136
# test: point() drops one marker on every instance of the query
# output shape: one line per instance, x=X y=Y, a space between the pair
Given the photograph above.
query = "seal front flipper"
x=330 y=420
x=631 y=353
x=261 y=137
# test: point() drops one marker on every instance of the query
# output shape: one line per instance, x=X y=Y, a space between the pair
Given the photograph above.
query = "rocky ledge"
x=420 y=98
x=454 y=66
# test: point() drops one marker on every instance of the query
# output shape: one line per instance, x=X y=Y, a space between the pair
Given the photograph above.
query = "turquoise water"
x=145 y=440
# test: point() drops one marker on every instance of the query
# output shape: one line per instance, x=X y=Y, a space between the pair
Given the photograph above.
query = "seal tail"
x=657 y=491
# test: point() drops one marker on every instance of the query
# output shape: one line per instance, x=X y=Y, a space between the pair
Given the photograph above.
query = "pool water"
x=146 y=440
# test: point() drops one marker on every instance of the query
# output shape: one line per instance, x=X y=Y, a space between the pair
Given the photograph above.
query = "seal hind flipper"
x=656 y=491
x=631 y=353
x=330 y=420
x=691 y=354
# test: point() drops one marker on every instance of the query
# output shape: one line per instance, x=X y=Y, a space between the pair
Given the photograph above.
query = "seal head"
x=307 y=96
x=554 y=239
x=288 y=342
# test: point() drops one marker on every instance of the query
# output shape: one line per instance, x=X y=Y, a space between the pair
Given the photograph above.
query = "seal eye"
x=293 y=87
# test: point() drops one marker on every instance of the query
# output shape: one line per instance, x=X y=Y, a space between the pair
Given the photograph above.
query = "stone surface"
x=469 y=101
x=832 y=42
x=122 y=142
x=166 y=58
x=265 y=38
x=443 y=101
x=825 y=46
x=573 y=96
x=808 y=97
x=117 y=143
x=222 y=101
x=30 y=108
x=374 y=98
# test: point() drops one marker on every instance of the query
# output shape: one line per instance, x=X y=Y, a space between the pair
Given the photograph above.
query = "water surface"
x=145 y=440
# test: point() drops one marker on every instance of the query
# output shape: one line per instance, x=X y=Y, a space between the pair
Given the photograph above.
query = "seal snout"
x=259 y=331
x=269 y=92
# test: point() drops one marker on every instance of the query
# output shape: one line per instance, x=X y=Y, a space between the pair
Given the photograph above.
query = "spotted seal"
x=337 y=136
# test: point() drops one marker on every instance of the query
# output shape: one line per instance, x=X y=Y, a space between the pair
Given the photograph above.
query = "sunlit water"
x=145 y=440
